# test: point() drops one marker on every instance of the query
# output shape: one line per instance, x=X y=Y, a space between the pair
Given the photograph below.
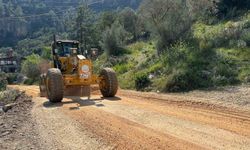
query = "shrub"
x=188 y=79
x=122 y=68
x=232 y=34
x=3 y=81
x=177 y=81
x=29 y=81
x=114 y=39
x=245 y=75
x=30 y=67
x=10 y=96
x=230 y=8
x=141 y=81
x=225 y=73
x=168 y=20
x=191 y=68
x=11 y=78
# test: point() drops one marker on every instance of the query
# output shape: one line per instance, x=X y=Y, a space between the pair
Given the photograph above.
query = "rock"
x=4 y=133
x=8 y=107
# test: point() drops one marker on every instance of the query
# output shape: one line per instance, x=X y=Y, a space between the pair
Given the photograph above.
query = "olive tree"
x=168 y=20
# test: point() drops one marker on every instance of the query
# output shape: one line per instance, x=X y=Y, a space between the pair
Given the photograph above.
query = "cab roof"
x=67 y=41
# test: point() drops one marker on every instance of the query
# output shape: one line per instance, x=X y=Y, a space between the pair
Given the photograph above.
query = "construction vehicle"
x=71 y=74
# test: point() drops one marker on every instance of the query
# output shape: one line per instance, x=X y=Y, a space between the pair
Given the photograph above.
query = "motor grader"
x=71 y=74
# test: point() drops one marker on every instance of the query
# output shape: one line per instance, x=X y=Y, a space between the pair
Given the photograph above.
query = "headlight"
x=85 y=68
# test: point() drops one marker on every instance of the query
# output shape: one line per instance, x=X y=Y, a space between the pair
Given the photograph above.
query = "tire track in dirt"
x=142 y=121
x=205 y=135
x=125 y=133
x=60 y=131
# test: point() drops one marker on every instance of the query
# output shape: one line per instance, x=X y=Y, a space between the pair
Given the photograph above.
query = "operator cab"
x=65 y=48
x=65 y=55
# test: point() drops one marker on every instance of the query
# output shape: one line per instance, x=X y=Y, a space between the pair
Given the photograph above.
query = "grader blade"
x=81 y=91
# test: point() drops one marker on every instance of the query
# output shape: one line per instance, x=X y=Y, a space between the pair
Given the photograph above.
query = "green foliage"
x=114 y=39
x=11 y=77
x=229 y=34
x=129 y=20
x=194 y=49
x=245 y=75
x=84 y=26
x=225 y=73
x=46 y=53
x=122 y=68
x=3 y=81
x=230 y=8
x=168 y=20
x=141 y=81
x=31 y=68
x=197 y=68
x=30 y=81
x=106 y=19
x=10 y=96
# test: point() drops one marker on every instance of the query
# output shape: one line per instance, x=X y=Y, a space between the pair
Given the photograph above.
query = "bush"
x=141 y=81
x=29 y=81
x=177 y=81
x=122 y=68
x=190 y=68
x=168 y=20
x=230 y=34
x=10 y=96
x=30 y=67
x=3 y=81
x=225 y=73
x=12 y=78
x=230 y=8
x=245 y=75
x=114 y=39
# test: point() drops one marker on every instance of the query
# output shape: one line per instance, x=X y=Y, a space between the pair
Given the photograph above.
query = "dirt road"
x=135 y=120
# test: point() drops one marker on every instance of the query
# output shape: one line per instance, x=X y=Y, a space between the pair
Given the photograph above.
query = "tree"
x=30 y=67
x=129 y=19
x=168 y=20
x=113 y=39
x=231 y=7
x=84 y=25
x=202 y=9
x=67 y=19
x=1 y=8
x=20 y=24
x=106 y=20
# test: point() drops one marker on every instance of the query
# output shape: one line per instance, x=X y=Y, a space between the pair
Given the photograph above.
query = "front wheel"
x=54 y=85
x=109 y=83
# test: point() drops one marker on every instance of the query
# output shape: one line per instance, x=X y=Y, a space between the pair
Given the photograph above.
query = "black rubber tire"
x=42 y=86
x=109 y=83
x=54 y=85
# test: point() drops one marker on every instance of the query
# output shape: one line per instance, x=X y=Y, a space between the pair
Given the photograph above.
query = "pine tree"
x=84 y=25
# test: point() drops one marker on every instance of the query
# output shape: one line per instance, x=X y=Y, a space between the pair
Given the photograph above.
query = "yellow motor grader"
x=71 y=74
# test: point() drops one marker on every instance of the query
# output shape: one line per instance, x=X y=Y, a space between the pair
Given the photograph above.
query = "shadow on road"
x=80 y=102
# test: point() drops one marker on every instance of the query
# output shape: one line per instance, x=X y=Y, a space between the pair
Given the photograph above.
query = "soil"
x=218 y=119
x=17 y=128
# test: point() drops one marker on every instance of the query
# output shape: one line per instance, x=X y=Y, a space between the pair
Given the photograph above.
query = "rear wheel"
x=109 y=83
x=54 y=85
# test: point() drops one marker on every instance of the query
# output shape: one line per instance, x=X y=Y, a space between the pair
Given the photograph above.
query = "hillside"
x=21 y=19
x=142 y=69
x=190 y=45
